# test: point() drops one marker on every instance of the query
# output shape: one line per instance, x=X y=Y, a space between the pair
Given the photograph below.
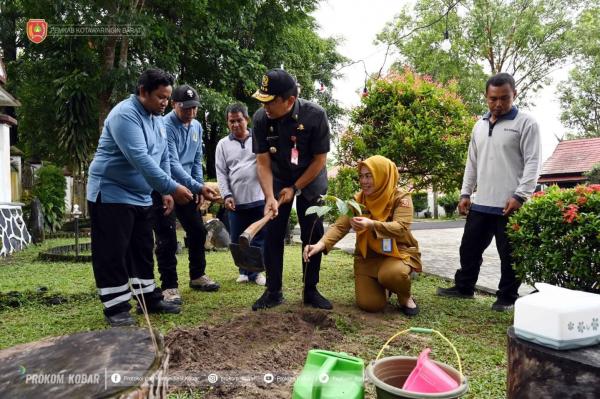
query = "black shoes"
x=160 y=307
x=122 y=319
x=453 y=292
x=316 y=300
x=271 y=299
x=268 y=300
x=410 y=312
x=503 y=305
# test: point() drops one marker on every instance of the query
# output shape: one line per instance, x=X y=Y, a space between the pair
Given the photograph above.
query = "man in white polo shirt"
x=502 y=169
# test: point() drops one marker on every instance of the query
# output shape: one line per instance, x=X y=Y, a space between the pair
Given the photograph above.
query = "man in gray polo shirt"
x=502 y=169
x=236 y=174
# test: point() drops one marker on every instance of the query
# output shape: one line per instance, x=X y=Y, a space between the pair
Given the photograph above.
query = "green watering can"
x=329 y=375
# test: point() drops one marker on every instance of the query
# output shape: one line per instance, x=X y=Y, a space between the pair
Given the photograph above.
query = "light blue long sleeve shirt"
x=132 y=157
x=185 y=151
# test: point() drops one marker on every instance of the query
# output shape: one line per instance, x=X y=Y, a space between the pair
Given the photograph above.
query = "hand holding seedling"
x=360 y=224
x=311 y=250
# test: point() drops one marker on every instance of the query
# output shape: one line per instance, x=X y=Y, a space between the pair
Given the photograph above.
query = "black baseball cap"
x=274 y=83
x=186 y=95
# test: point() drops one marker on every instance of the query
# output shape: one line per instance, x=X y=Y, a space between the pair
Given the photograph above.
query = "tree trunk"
x=121 y=362
x=210 y=141
x=535 y=371
x=108 y=64
x=435 y=202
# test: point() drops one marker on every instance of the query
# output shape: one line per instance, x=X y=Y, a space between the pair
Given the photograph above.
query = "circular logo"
x=115 y=378
x=213 y=378
x=269 y=378
x=324 y=378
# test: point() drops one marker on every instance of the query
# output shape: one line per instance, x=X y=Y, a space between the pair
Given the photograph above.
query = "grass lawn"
x=68 y=304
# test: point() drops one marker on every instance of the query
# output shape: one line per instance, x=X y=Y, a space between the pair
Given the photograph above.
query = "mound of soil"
x=256 y=355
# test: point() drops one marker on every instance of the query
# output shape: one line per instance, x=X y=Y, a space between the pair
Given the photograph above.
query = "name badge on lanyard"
x=386 y=245
x=294 y=155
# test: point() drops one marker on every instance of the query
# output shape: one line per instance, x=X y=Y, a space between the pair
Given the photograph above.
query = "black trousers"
x=274 y=244
x=122 y=254
x=479 y=231
x=166 y=241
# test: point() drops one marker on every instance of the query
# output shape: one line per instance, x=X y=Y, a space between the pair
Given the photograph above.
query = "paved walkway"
x=439 y=243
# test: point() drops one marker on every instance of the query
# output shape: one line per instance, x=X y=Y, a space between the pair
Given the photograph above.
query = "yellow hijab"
x=378 y=204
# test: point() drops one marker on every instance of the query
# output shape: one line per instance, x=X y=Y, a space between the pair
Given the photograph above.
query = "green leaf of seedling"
x=341 y=206
x=311 y=210
x=323 y=210
x=355 y=207
x=329 y=198
x=319 y=210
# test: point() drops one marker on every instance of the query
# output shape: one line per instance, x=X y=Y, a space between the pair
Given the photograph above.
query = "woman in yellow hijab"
x=386 y=251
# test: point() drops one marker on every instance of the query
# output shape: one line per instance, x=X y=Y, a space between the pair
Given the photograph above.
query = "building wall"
x=5 y=184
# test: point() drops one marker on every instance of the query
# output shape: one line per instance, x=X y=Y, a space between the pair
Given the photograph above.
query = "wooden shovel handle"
x=248 y=235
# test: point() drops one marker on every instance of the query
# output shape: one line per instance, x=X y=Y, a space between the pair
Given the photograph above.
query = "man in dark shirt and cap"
x=184 y=137
x=291 y=142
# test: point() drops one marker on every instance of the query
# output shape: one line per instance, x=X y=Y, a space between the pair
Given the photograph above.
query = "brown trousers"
x=373 y=276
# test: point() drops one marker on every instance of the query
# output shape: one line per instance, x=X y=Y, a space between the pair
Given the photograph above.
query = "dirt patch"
x=242 y=351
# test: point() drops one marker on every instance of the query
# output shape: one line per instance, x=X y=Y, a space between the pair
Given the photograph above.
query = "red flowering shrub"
x=556 y=238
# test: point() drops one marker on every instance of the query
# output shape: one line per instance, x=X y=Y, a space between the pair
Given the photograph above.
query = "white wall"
x=5 y=190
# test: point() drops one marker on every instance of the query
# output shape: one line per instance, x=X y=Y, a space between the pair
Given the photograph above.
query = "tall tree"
x=527 y=38
x=221 y=47
x=580 y=94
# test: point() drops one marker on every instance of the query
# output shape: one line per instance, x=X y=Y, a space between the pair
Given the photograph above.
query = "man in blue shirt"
x=184 y=134
x=131 y=160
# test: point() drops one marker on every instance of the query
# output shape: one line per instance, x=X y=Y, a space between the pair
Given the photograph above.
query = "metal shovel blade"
x=249 y=258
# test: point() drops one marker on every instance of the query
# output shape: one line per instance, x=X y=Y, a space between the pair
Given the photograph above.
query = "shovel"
x=245 y=255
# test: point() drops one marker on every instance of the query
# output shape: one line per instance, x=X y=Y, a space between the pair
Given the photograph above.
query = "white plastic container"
x=558 y=318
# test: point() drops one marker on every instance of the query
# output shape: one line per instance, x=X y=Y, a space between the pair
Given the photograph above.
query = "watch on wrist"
x=296 y=190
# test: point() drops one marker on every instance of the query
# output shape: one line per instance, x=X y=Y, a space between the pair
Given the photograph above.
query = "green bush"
x=50 y=187
x=449 y=202
x=421 y=125
x=593 y=175
x=419 y=201
x=292 y=221
x=293 y=218
x=556 y=238
x=344 y=185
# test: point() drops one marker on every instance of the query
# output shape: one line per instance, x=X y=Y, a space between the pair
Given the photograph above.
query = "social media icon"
x=213 y=378
x=115 y=378
x=269 y=378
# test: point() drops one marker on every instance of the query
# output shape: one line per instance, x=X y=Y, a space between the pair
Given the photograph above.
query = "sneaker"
x=122 y=319
x=316 y=300
x=453 y=292
x=204 y=283
x=160 y=307
x=268 y=300
x=260 y=279
x=172 y=295
x=503 y=305
x=243 y=278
